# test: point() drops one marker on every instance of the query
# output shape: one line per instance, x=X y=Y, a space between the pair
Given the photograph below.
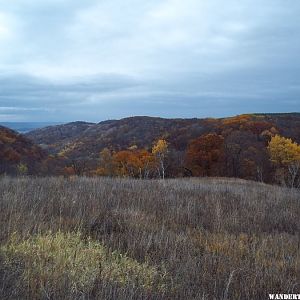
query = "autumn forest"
x=256 y=147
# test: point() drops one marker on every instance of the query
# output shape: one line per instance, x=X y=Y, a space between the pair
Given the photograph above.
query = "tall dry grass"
x=101 y=238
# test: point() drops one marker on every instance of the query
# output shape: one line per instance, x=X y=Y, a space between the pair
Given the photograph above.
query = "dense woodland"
x=144 y=147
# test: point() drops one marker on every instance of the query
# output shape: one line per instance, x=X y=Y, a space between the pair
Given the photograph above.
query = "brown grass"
x=173 y=239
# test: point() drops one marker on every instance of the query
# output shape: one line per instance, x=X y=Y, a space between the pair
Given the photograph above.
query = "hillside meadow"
x=112 y=238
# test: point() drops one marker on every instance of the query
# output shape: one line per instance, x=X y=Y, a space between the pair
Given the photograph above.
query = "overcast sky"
x=64 y=60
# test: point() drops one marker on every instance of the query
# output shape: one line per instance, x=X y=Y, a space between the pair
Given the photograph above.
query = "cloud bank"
x=64 y=60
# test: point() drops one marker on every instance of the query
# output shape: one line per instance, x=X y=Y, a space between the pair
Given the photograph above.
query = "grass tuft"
x=53 y=261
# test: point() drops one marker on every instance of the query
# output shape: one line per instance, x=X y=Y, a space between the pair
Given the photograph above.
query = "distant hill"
x=81 y=138
x=16 y=149
x=88 y=139
x=59 y=134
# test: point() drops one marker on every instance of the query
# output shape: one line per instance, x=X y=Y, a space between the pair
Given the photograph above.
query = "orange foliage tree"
x=205 y=155
x=134 y=163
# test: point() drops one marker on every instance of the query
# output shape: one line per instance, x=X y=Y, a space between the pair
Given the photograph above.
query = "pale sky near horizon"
x=64 y=60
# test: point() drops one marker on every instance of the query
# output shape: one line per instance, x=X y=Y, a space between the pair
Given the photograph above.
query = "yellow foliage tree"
x=160 y=151
x=286 y=154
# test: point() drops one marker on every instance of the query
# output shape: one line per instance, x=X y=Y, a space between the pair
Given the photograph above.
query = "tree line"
x=210 y=155
x=240 y=147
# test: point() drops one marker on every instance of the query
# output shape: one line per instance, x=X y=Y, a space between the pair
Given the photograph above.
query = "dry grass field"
x=102 y=238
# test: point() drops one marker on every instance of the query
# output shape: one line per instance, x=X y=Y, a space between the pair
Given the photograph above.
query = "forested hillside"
x=231 y=147
x=18 y=155
x=142 y=131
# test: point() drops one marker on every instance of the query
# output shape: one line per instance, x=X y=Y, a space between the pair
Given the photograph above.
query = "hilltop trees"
x=285 y=154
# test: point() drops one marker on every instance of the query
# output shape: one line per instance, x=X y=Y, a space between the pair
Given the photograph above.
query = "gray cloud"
x=62 y=60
